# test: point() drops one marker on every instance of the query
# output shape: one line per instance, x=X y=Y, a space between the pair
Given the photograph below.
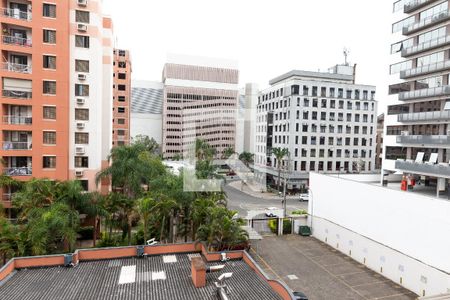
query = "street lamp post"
x=286 y=174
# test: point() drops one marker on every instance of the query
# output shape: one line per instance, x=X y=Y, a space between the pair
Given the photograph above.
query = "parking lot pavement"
x=321 y=272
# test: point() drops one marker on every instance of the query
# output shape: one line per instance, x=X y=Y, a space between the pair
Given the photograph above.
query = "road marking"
x=292 y=277
x=323 y=268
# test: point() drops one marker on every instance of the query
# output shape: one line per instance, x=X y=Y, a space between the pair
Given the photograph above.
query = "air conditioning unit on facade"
x=82 y=2
x=79 y=150
x=82 y=27
x=80 y=125
x=81 y=76
x=79 y=173
x=80 y=101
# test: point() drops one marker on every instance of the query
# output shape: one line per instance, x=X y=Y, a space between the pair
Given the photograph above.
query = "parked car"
x=300 y=296
x=304 y=197
x=270 y=214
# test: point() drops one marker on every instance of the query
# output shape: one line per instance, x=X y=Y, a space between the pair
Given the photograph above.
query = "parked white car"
x=304 y=197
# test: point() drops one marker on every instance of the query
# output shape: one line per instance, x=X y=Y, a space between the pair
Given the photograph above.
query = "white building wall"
x=147 y=124
x=396 y=233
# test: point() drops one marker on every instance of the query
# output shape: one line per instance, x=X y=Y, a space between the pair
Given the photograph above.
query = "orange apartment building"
x=121 y=98
x=57 y=77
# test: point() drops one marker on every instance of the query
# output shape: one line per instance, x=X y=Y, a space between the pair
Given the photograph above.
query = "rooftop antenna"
x=346 y=54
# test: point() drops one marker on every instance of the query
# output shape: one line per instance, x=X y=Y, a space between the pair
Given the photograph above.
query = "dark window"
x=49 y=62
x=82 y=65
x=121 y=110
x=121 y=87
x=121 y=99
x=49 y=36
x=49 y=162
x=81 y=90
x=81 y=162
x=82 y=16
x=49 y=10
x=81 y=41
x=120 y=121
x=81 y=138
x=122 y=76
x=49 y=87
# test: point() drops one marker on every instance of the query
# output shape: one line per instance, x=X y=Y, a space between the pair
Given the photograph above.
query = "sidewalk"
x=247 y=190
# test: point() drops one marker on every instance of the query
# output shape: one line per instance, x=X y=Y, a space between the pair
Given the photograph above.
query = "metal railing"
x=415 y=4
x=17 y=120
x=16 y=145
x=426 y=22
x=16 y=14
x=424 y=116
x=16 y=94
x=18 y=171
x=424 y=139
x=426 y=46
x=425 y=93
x=16 y=67
x=423 y=168
x=14 y=40
x=439 y=66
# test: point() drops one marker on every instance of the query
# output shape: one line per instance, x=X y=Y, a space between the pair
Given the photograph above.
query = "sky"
x=266 y=37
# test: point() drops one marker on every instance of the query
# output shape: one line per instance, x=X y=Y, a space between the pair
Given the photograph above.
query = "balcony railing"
x=18 y=41
x=19 y=68
x=425 y=93
x=424 y=139
x=16 y=94
x=16 y=145
x=18 y=171
x=17 y=120
x=427 y=22
x=423 y=168
x=16 y=14
x=424 y=116
x=436 y=67
x=415 y=4
x=442 y=41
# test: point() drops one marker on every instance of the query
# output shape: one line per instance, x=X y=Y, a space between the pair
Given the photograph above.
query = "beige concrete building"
x=200 y=101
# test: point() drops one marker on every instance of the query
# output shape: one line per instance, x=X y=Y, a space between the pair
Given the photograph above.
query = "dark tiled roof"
x=146 y=100
x=100 y=280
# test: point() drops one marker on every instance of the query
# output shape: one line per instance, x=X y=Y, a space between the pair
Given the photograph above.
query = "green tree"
x=228 y=152
x=149 y=143
x=279 y=153
x=96 y=210
x=246 y=158
x=221 y=230
x=36 y=193
x=144 y=208
x=128 y=171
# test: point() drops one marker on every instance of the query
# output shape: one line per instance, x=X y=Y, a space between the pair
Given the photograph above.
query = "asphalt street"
x=242 y=202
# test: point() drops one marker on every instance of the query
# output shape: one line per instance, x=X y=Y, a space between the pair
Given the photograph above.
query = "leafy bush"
x=287 y=226
x=86 y=233
x=299 y=212
x=273 y=225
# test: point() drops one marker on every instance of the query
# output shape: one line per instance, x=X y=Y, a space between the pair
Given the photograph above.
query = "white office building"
x=417 y=132
x=325 y=120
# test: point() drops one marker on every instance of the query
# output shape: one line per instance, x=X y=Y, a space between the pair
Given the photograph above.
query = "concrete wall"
x=147 y=124
x=404 y=236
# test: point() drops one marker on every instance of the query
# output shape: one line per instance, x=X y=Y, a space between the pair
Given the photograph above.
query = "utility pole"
x=286 y=173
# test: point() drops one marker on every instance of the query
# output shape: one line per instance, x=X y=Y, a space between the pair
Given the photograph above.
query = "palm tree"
x=95 y=209
x=144 y=208
x=127 y=171
x=246 y=158
x=221 y=231
x=228 y=152
x=163 y=209
x=36 y=193
x=279 y=153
